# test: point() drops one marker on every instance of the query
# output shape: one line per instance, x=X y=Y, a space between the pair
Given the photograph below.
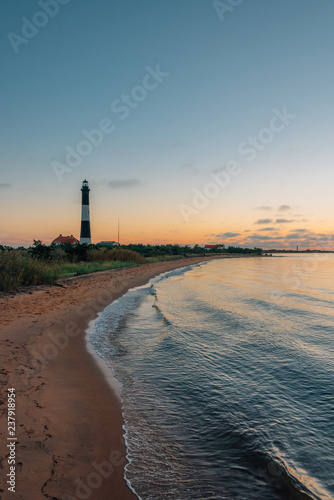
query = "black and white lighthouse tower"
x=85 y=223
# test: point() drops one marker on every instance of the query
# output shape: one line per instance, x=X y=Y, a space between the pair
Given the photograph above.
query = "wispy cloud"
x=281 y=208
x=189 y=167
x=284 y=208
x=124 y=183
x=283 y=221
x=267 y=229
x=262 y=237
x=296 y=236
x=229 y=235
x=263 y=221
x=5 y=185
x=224 y=235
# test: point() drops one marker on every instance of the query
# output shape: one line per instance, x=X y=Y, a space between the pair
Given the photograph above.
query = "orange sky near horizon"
x=267 y=227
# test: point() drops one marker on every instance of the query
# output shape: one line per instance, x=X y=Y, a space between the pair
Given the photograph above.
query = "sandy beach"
x=68 y=419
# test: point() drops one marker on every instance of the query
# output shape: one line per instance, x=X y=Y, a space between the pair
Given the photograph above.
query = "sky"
x=194 y=121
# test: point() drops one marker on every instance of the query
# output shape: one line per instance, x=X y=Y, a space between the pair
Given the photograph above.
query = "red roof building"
x=210 y=246
x=65 y=239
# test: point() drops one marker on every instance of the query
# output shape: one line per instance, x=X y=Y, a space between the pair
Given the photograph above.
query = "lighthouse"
x=85 y=223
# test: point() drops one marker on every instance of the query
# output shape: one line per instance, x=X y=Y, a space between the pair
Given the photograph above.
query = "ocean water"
x=227 y=374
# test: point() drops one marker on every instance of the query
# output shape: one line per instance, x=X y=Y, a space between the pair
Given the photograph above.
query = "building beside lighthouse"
x=61 y=240
x=85 y=236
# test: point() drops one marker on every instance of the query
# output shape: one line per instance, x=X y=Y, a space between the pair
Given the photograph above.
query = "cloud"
x=263 y=207
x=188 y=164
x=263 y=221
x=301 y=237
x=124 y=183
x=225 y=235
x=283 y=221
x=327 y=237
x=5 y=185
x=263 y=237
x=296 y=236
x=229 y=235
x=283 y=208
x=189 y=167
x=267 y=229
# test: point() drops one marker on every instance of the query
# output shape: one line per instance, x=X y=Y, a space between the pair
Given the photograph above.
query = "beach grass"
x=18 y=269
x=114 y=254
x=44 y=265
x=68 y=270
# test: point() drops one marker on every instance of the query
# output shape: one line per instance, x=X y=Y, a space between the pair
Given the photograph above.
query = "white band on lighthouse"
x=88 y=241
x=85 y=212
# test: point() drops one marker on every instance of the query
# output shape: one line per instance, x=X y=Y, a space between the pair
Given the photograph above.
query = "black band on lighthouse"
x=85 y=229
x=85 y=197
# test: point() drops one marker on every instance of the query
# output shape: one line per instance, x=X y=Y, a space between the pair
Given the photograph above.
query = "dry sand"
x=68 y=419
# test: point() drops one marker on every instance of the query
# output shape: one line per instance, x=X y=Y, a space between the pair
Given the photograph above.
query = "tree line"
x=77 y=253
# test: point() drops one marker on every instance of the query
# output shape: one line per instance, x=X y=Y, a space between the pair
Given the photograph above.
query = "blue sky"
x=223 y=80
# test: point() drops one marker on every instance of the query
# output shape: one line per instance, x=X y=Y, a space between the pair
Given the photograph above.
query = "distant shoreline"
x=299 y=251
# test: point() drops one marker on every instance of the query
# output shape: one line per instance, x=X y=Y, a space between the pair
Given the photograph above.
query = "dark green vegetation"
x=44 y=264
x=187 y=251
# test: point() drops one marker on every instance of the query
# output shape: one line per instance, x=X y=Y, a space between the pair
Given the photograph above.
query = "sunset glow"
x=153 y=120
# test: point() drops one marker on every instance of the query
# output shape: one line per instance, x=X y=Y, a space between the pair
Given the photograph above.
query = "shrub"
x=120 y=254
x=18 y=269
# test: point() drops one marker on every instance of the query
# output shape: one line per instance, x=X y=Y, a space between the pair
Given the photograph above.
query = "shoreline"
x=69 y=425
